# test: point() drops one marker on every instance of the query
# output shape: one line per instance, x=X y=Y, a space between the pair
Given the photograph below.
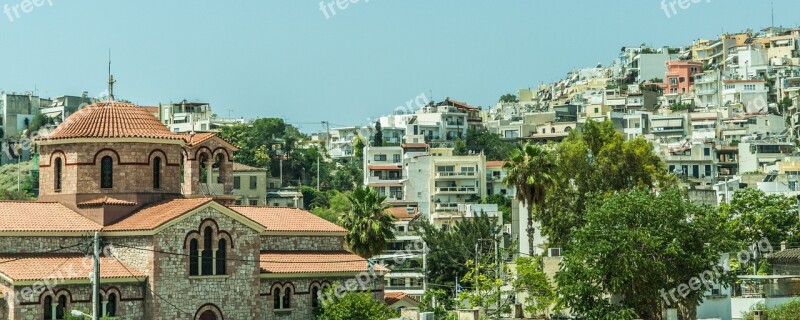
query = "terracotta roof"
x=314 y=262
x=196 y=138
x=395 y=297
x=112 y=120
x=788 y=256
x=70 y=266
x=26 y=216
x=151 y=109
x=495 y=163
x=742 y=81
x=283 y=219
x=401 y=213
x=243 y=167
x=106 y=201
x=384 y=167
x=155 y=215
x=462 y=105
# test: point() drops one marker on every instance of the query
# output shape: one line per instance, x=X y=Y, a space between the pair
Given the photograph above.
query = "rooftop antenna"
x=772 y=16
x=110 y=79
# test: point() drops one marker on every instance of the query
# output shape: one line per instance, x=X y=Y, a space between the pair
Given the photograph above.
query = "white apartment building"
x=707 y=89
x=749 y=95
x=439 y=123
x=187 y=116
x=760 y=154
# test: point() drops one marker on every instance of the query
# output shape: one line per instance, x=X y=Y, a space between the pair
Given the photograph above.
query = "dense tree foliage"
x=491 y=144
x=509 y=97
x=596 y=161
x=449 y=250
x=634 y=244
x=786 y=311
x=355 y=306
x=754 y=216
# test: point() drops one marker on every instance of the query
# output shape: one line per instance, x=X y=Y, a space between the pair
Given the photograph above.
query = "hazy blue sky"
x=286 y=59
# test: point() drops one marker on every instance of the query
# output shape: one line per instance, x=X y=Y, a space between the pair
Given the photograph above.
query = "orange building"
x=680 y=76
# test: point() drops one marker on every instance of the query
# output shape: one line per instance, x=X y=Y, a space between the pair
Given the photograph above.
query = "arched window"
x=156 y=172
x=106 y=172
x=61 y=308
x=276 y=298
x=111 y=305
x=47 y=307
x=57 y=175
x=208 y=254
x=222 y=244
x=193 y=258
x=287 y=298
x=315 y=297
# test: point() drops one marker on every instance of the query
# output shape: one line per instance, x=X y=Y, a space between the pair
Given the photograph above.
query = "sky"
x=292 y=60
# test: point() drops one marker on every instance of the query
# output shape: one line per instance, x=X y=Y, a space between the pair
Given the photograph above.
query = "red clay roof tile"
x=112 y=120
x=69 y=266
x=27 y=216
x=282 y=219
x=155 y=215
x=314 y=262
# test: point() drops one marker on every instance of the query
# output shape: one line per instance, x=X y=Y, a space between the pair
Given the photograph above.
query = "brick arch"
x=197 y=153
x=225 y=151
x=99 y=152
x=53 y=154
x=105 y=292
x=208 y=307
x=163 y=156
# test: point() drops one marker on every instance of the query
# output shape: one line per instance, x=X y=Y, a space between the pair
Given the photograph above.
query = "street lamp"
x=77 y=313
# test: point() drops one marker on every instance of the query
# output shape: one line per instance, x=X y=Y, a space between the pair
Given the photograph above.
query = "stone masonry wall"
x=299 y=243
x=19 y=244
x=301 y=305
x=133 y=171
x=235 y=293
x=129 y=306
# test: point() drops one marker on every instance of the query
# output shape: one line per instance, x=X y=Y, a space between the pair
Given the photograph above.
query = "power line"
x=27 y=255
x=151 y=289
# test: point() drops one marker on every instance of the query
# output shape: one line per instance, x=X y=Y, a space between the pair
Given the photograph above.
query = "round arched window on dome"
x=106 y=172
x=57 y=168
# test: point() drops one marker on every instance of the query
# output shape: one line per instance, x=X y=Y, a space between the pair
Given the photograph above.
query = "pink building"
x=680 y=76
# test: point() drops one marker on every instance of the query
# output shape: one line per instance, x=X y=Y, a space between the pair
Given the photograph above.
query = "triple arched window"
x=208 y=250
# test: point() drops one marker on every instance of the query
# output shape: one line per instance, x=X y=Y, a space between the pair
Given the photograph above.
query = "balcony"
x=384 y=180
x=455 y=123
x=456 y=190
x=456 y=175
x=446 y=207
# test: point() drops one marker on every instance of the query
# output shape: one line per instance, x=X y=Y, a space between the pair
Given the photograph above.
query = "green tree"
x=338 y=205
x=754 y=216
x=508 y=98
x=262 y=142
x=637 y=246
x=486 y=291
x=503 y=204
x=378 y=142
x=369 y=226
x=459 y=148
x=355 y=306
x=449 y=250
x=787 y=311
x=529 y=171
x=358 y=148
x=531 y=279
x=437 y=301
x=597 y=160
x=313 y=198
x=347 y=175
x=492 y=144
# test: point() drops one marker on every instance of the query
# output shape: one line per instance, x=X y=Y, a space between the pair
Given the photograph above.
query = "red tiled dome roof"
x=112 y=120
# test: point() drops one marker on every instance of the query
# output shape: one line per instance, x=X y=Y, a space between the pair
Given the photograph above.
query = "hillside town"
x=659 y=185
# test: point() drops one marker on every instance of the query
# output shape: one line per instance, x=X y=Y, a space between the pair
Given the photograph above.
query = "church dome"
x=112 y=120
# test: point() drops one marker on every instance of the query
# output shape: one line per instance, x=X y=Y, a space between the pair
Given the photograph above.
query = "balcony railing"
x=457 y=190
x=447 y=207
x=463 y=174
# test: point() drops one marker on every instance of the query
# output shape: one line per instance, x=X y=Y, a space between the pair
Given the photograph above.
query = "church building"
x=174 y=245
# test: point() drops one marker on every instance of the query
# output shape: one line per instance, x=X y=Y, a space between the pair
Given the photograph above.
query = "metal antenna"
x=110 y=79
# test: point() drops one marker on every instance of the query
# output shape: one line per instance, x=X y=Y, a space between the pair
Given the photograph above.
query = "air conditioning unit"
x=554 y=252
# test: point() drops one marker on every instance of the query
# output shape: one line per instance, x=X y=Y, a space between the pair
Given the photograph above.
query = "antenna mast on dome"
x=110 y=79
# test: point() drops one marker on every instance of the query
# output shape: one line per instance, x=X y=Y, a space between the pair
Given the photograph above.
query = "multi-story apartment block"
x=749 y=95
x=405 y=255
x=63 y=106
x=383 y=171
x=249 y=184
x=703 y=125
x=759 y=154
x=17 y=110
x=342 y=139
x=692 y=160
x=668 y=128
x=187 y=116
x=707 y=89
x=679 y=78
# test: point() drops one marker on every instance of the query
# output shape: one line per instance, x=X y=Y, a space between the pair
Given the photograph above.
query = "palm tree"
x=529 y=171
x=369 y=226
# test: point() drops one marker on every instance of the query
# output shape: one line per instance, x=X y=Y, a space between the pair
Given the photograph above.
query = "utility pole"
x=96 y=278
x=318 y=173
x=425 y=267
x=497 y=266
